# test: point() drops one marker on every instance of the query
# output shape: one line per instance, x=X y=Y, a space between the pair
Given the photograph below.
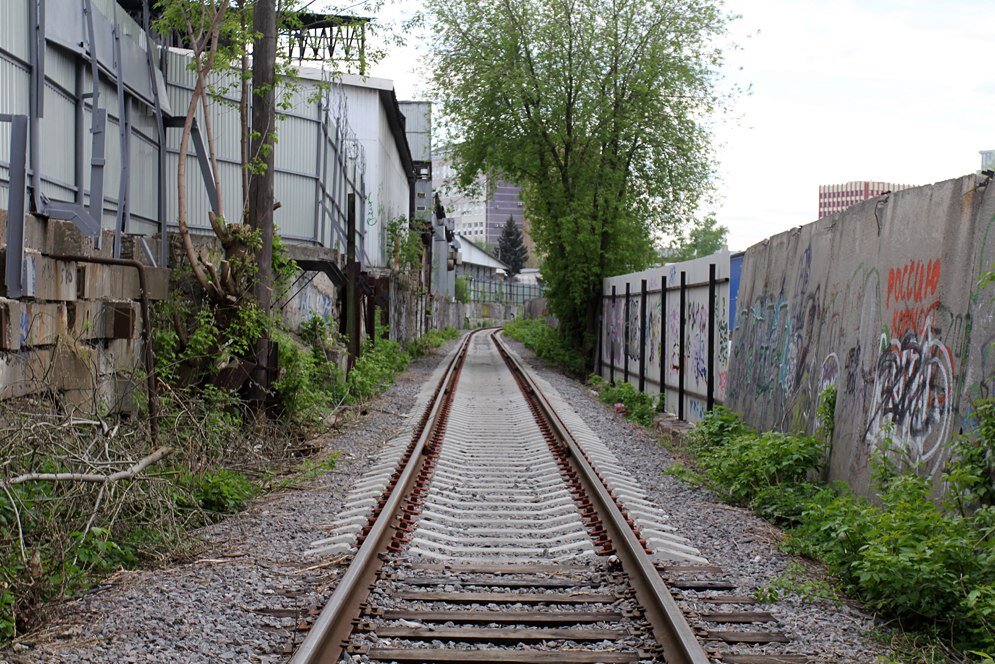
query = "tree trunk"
x=263 y=126
x=261 y=184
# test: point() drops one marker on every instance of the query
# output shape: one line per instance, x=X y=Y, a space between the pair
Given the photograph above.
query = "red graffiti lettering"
x=915 y=281
x=912 y=319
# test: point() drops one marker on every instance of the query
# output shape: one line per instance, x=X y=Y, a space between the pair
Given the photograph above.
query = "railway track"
x=498 y=528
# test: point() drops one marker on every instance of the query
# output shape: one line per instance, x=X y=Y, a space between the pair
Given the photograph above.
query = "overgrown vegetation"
x=627 y=400
x=547 y=342
x=925 y=563
x=462 y=290
x=57 y=537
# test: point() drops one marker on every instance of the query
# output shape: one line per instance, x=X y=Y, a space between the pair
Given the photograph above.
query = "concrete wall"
x=883 y=302
x=76 y=333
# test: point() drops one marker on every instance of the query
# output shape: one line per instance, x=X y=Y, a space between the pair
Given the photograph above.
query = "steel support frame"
x=161 y=137
x=86 y=219
x=124 y=133
x=16 y=204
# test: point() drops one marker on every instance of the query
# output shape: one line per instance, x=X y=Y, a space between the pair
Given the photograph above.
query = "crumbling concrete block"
x=25 y=324
x=119 y=356
x=22 y=374
x=44 y=278
x=50 y=237
x=104 y=319
x=120 y=282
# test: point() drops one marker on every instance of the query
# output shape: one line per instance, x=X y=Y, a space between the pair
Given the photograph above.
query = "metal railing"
x=502 y=292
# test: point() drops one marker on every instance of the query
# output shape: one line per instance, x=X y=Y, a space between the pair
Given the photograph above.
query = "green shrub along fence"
x=928 y=565
x=546 y=342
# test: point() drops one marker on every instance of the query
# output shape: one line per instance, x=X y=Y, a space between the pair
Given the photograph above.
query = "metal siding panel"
x=297 y=144
x=14 y=28
x=144 y=176
x=14 y=84
x=112 y=165
x=296 y=213
x=61 y=68
x=231 y=191
x=57 y=139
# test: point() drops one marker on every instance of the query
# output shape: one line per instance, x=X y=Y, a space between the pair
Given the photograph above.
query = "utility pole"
x=261 y=155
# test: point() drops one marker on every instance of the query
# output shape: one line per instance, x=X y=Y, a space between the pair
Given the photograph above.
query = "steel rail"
x=328 y=636
x=670 y=628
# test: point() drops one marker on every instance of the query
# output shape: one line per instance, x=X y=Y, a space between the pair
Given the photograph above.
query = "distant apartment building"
x=987 y=160
x=835 y=198
x=482 y=214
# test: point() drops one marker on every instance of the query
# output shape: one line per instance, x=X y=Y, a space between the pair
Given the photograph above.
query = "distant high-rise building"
x=835 y=198
x=988 y=160
x=481 y=215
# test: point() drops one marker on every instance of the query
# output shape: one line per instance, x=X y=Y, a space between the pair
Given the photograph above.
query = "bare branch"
x=126 y=474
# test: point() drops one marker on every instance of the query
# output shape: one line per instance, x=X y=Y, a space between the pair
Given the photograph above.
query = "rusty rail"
x=670 y=628
x=327 y=638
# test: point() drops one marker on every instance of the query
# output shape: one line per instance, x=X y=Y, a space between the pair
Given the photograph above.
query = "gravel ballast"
x=242 y=599
x=743 y=544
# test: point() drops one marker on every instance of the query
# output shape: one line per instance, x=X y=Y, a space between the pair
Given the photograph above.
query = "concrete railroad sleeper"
x=498 y=528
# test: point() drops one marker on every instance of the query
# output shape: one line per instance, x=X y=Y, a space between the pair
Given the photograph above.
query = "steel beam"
x=14 y=264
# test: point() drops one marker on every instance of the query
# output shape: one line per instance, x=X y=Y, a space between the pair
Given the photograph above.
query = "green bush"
x=719 y=427
x=639 y=406
x=430 y=340
x=929 y=565
x=750 y=464
x=462 y=290
x=546 y=342
x=221 y=491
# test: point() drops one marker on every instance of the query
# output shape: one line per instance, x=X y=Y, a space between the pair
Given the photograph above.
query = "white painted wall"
x=386 y=181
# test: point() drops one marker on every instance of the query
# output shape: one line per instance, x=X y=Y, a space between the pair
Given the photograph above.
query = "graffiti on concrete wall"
x=913 y=394
x=892 y=314
x=662 y=333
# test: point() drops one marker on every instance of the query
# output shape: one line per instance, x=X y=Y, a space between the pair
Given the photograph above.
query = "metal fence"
x=667 y=331
x=504 y=292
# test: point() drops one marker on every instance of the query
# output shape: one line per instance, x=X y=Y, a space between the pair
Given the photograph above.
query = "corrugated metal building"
x=339 y=140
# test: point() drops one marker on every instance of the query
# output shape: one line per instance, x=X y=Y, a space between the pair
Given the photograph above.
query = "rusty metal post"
x=642 y=337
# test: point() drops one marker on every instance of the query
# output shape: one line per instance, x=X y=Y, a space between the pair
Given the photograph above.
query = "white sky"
x=892 y=90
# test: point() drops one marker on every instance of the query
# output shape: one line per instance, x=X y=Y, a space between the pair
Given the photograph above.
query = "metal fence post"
x=601 y=332
x=683 y=348
x=711 y=337
x=663 y=343
x=642 y=337
x=626 y=331
x=611 y=363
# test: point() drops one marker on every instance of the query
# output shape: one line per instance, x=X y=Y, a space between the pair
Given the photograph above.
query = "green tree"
x=511 y=247
x=703 y=239
x=595 y=107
